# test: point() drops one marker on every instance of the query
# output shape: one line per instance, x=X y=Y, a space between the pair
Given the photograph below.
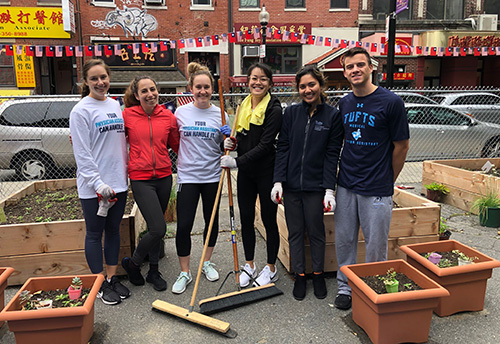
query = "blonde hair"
x=194 y=69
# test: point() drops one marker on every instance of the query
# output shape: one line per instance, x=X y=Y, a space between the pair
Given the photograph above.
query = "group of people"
x=291 y=158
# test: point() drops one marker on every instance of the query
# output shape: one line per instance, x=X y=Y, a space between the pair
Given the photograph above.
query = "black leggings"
x=248 y=188
x=187 y=202
x=96 y=225
x=152 y=199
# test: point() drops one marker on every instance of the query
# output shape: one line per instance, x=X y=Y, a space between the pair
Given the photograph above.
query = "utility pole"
x=390 y=44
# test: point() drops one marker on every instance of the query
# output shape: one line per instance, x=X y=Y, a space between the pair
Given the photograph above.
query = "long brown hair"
x=129 y=98
x=86 y=67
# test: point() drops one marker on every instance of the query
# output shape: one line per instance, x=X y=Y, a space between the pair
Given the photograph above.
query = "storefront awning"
x=278 y=80
x=164 y=78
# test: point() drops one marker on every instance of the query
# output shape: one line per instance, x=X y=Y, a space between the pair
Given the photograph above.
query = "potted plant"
x=434 y=257
x=55 y=325
x=435 y=191
x=75 y=289
x=488 y=207
x=4 y=275
x=393 y=317
x=464 y=259
x=390 y=281
x=466 y=284
x=444 y=229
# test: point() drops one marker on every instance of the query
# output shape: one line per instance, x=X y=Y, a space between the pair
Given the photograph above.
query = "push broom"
x=241 y=297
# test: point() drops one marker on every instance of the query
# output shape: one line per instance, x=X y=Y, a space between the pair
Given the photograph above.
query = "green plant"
x=389 y=278
x=463 y=256
x=25 y=300
x=437 y=187
x=443 y=227
x=444 y=263
x=76 y=283
x=488 y=200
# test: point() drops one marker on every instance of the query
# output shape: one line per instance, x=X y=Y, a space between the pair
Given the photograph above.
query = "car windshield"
x=438 y=99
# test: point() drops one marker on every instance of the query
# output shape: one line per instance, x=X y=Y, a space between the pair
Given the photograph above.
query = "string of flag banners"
x=239 y=37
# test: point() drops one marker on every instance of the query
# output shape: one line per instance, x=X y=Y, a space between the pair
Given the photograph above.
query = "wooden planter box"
x=55 y=325
x=401 y=317
x=466 y=284
x=466 y=184
x=417 y=221
x=53 y=248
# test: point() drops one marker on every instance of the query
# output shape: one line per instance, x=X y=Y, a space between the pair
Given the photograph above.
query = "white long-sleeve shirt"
x=99 y=145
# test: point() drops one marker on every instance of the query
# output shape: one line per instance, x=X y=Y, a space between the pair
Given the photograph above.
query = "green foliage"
x=489 y=200
x=76 y=283
x=443 y=227
x=389 y=278
x=437 y=187
x=444 y=263
x=464 y=257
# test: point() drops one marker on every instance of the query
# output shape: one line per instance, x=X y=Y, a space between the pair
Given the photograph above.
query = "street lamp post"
x=264 y=20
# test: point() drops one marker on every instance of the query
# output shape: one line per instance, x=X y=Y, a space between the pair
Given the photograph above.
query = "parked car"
x=438 y=131
x=481 y=105
x=415 y=98
x=34 y=136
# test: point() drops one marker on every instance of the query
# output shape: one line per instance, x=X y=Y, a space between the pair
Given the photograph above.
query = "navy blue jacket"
x=308 y=148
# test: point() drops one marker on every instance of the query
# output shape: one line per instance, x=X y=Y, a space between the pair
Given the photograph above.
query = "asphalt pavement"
x=280 y=319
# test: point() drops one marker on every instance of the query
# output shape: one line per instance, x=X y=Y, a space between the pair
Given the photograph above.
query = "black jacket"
x=308 y=148
x=257 y=146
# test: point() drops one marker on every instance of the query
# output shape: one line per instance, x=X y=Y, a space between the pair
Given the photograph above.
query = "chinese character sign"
x=32 y=22
x=25 y=71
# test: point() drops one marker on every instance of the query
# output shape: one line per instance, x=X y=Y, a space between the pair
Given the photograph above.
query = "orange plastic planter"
x=397 y=317
x=56 y=325
x=466 y=284
x=4 y=275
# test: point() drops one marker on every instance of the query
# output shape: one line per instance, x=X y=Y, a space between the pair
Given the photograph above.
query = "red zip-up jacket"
x=149 y=137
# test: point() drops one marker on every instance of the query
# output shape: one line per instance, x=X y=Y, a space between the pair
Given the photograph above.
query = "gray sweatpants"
x=373 y=214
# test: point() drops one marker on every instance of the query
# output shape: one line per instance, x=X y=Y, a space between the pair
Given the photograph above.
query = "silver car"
x=414 y=98
x=34 y=136
x=442 y=132
x=483 y=106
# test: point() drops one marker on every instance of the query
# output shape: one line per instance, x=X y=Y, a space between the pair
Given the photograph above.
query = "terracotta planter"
x=397 y=317
x=466 y=284
x=56 y=325
x=4 y=275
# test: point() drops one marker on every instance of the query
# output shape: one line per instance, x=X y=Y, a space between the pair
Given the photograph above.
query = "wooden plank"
x=51 y=264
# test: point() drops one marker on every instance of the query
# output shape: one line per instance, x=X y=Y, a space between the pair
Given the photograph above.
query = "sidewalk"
x=280 y=319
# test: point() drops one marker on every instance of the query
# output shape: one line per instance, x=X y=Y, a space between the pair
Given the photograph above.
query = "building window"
x=381 y=9
x=249 y=3
x=281 y=59
x=201 y=2
x=339 y=3
x=492 y=7
x=154 y=2
x=295 y=3
x=49 y=1
x=445 y=9
x=7 y=73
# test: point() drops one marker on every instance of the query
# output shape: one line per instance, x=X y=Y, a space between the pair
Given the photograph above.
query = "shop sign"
x=474 y=41
x=127 y=58
x=404 y=44
x=401 y=76
x=299 y=28
x=32 y=22
x=25 y=70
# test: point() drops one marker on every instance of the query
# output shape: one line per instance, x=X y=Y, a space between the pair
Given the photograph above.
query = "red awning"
x=278 y=80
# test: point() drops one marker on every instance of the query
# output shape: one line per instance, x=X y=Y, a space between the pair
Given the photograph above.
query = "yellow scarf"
x=255 y=116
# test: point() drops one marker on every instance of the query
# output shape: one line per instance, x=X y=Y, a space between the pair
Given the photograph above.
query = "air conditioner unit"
x=487 y=22
x=251 y=51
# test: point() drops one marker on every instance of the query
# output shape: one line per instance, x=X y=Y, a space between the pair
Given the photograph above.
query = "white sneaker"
x=210 y=273
x=245 y=276
x=182 y=281
x=266 y=276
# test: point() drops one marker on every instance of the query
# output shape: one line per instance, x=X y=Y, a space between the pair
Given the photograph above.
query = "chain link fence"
x=445 y=123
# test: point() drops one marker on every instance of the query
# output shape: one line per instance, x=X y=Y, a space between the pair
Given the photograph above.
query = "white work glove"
x=230 y=143
x=329 y=201
x=104 y=205
x=277 y=193
x=105 y=191
x=227 y=161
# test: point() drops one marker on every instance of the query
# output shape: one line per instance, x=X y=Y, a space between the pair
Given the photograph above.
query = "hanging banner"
x=401 y=5
x=299 y=28
x=140 y=58
x=25 y=69
x=32 y=22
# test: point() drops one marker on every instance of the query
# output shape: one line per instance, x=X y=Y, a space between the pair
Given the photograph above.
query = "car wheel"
x=491 y=149
x=33 y=166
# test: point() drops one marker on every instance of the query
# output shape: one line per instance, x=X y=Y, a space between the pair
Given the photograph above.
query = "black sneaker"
x=134 y=274
x=319 y=285
x=154 y=277
x=343 y=301
x=108 y=295
x=119 y=288
x=299 y=287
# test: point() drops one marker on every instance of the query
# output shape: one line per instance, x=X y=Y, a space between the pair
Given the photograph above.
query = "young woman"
x=305 y=174
x=100 y=148
x=198 y=170
x=150 y=129
x=258 y=125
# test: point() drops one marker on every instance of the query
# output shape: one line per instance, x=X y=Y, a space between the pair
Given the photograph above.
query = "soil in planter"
x=405 y=283
x=50 y=205
x=60 y=298
x=451 y=256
